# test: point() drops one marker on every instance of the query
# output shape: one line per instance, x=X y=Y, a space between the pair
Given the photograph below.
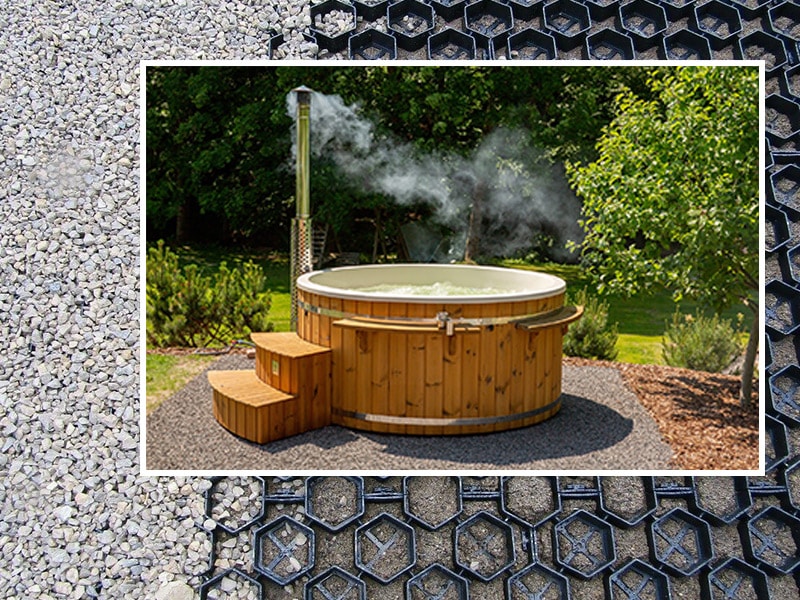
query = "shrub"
x=187 y=308
x=591 y=336
x=700 y=343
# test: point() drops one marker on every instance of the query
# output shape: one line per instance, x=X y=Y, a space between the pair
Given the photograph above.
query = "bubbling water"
x=439 y=288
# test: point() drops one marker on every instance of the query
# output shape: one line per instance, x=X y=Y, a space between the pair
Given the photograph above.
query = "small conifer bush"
x=591 y=336
x=700 y=343
x=187 y=308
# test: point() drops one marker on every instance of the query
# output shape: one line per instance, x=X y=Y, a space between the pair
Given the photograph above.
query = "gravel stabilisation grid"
x=538 y=537
x=78 y=521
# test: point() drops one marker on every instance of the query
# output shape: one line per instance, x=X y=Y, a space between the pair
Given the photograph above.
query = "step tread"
x=245 y=387
x=286 y=343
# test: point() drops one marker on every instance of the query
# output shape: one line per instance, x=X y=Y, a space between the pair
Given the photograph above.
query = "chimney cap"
x=303 y=94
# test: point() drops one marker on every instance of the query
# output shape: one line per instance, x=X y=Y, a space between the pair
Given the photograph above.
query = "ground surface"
x=698 y=414
x=676 y=419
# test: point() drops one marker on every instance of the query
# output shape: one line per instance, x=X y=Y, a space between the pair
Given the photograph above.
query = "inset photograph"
x=437 y=267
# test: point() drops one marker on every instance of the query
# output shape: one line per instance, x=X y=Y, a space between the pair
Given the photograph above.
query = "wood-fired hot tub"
x=437 y=349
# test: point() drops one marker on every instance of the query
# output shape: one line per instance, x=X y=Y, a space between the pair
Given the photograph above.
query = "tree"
x=672 y=198
x=219 y=137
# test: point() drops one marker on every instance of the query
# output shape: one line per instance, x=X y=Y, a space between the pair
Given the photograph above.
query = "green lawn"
x=167 y=374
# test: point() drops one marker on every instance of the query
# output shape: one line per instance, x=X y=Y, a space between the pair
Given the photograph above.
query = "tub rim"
x=555 y=285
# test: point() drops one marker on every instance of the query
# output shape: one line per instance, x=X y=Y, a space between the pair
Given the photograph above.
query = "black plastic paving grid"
x=539 y=537
x=664 y=29
x=543 y=538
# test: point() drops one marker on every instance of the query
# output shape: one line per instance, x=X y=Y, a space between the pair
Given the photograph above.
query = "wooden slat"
x=452 y=376
x=502 y=400
x=516 y=390
x=379 y=377
x=470 y=384
x=399 y=367
x=487 y=368
x=363 y=371
x=415 y=367
x=433 y=403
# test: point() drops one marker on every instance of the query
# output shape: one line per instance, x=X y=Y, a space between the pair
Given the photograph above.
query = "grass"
x=166 y=374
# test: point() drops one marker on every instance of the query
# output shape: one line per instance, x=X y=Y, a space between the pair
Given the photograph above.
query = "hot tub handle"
x=445 y=322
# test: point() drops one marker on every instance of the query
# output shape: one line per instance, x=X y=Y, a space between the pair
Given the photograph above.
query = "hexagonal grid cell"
x=777 y=229
x=335 y=584
x=531 y=44
x=782 y=307
x=782 y=116
x=784 y=352
x=792 y=476
x=644 y=20
x=790 y=83
x=234 y=503
x=385 y=548
x=736 y=580
x=637 y=580
x=334 y=502
x=451 y=44
x=718 y=22
x=608 y=44
x=372 y=44
x=488 y=18
x=411 y=22
x=448 y=9
x=773 y=540
x=432 y=503
x=566 y=18
x=437 y=582
x=762 y=46
x=484 y=546
x=784 y=19
x=776 y=446
x=751 y=9
x=686 y=45
x=531 y=500
x=526 y=10
x=370 y=10
x=600 y=10
x=785 y=186
x=721 y=499
x=627 y=500
x=231 y=582
x=284 y=550
x=584 y=544
x=537 y=582
x=332 y=23
x=681 y=542
x=784 y=395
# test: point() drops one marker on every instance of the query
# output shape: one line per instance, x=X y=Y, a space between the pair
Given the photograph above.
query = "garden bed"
x=698 y=414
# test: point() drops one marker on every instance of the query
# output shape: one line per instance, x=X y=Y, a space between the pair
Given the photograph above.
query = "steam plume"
x=524 y=194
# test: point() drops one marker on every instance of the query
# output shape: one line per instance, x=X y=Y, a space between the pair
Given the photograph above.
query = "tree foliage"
x=672 y=198
x=219 y=137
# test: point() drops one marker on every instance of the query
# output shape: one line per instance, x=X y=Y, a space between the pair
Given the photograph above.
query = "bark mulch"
x=698 y=414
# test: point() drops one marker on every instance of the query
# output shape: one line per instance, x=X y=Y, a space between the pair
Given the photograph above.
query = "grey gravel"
x=601 y=425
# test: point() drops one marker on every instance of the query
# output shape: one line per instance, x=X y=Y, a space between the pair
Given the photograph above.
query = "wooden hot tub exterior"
x=439 y=366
